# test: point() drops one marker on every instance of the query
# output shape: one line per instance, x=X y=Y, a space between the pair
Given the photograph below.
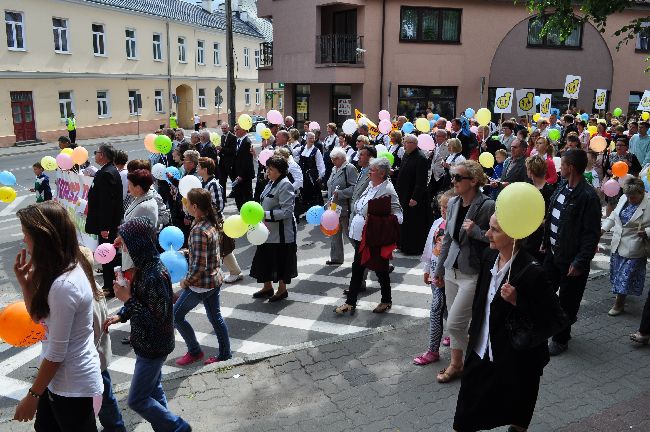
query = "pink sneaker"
x=211 y=360
x=426 y=358
x=446 y=341
x=188 y=359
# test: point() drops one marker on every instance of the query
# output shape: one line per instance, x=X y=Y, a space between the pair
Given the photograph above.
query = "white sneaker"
x=233 y=278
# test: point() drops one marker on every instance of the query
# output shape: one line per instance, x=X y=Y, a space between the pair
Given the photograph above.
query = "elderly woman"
x=379 y=186
x=340 y=186
x=362 y=141
x=468 y=217
x=295 y=173
x=622 y=154
x=275 y=260
x=630 y=222
x=311 y=162
x=544 y=149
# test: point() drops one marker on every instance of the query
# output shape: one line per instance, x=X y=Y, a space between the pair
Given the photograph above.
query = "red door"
x=22 y=110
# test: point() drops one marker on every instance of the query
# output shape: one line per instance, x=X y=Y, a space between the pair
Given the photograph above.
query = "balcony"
x=339 y=49
x=266 y=55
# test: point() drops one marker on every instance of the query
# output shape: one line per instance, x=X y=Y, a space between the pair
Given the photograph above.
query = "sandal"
x=639 y=338
x=345 y=308
x=382 y=307
x=445 y=376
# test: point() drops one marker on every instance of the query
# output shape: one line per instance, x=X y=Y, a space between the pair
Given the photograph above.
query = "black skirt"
x=275 y=262
x=495 y=395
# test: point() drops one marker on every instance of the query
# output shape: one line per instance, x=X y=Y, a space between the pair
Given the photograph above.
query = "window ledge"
x=217 y=65
x=135 y=115
x=416 y=41
x=182 y=62
x=158 y=60
x=133 y=58
x=204 y=108
x=105 y=117
x=345 y=65
x=201 y=64
x=17 y=49
x=63 y=52
x=554 y=47
x=160 y=112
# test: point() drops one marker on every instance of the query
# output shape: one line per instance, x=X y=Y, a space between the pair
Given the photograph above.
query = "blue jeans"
x=147 y=397
x=109 y=415
x=188 y=301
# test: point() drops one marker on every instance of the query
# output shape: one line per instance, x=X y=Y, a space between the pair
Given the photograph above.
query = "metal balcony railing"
x=266 y=55
x=339 y=49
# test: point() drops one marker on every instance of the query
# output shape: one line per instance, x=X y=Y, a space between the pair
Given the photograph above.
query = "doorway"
x=341 y=105
x=345 y=22
x=185 y=106
x=22 y=112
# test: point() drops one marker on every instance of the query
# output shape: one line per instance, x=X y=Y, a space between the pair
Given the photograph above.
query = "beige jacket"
x=625 y=240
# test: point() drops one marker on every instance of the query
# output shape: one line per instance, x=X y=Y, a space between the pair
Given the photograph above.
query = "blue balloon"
x=432 y=124
x=174 y=172
x=176 y=264
x=408 y=127
x=538 y=100
x=555 y=111
x=314 y=214
x=7 y=178
x=436 y=117
x=469 y=113
x=171 y=237
x=585 y=116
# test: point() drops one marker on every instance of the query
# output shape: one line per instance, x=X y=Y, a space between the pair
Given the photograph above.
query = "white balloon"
x=557 y=161
x=259 y=128
x=158 y=171
x=257 y=234
x=381 y=148
x=188 y=183
x=349 y=126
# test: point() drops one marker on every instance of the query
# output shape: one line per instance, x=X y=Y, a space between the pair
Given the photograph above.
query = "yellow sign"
x=572 y=86
x=372 y=128
x=546 y=106
x=504 y=101
x=526 y=103
x=301 y=107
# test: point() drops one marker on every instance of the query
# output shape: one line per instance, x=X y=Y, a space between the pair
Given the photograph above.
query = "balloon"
x=538 y=100
x=79 y=155
x=7 y=194
x=105 y=253
x=617 y=112
x=234 y=226
x=64 y=161
x=149 y=143
x=49 y=163
x=469 y=113
x=408 y=127
x=557 y=161
x=422 y=125
x=646 y=183
x=380 y=148
x=536 y=116
x=330 y=219
x=329 y=233
x=252 y=213
x=483 y=116
x=171 y=237
x=17 y=327
x=387 y=155
x=384 y=115
x=448 y=125
x=314 y=126
x=645 y=116
x=163 y=144
x=7 y=178
x=622 y=180
x=385 y=126
x=67 y=151
x=598 y=144
x=188 y=183
x=520 y=209
x=425 y=142
x=432 y=124
x=349 y=126
x=158 y=171
x=257 y=234
x=554 y=134
x=585 y=116
x=215 y=139
x=611 y=188
x=274 y=117
x=592 y=130
x=245 y=121
x=436 y=117
x=314 y=215
x=486 y=159
x=266 y=133
x=264 y=156
x=620 y=168
x=259 y=128
x=174 y=172
x=474 y=130
x=176 y=265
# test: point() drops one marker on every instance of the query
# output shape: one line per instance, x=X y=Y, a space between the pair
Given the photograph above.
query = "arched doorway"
x=185 y=106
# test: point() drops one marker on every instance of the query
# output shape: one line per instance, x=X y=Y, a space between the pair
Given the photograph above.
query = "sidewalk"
x=44 y=147
x=368 y=383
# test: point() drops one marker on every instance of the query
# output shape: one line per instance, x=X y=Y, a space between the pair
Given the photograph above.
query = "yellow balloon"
x=486 y=160
x=645 y=115
x=536 y=117
x=245 y=121
x=266 y=133
x=7 y=194
x=49 y=163
x=215 y=138
x=483 y=116
x=422 y=125
x=67 y=151
x=234 y=226
x=520 y=210
x=612 y=146
x=592 y=130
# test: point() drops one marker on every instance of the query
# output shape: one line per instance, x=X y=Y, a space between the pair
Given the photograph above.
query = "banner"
x=572 y=86
x=525 y=101
x=545 y=104
x=373 y=130
x=644 y=104
x=72 y=194
x=601 y=98
x=503 y=100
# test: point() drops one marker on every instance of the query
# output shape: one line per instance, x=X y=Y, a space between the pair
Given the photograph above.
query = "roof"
x=178 y=10
x=263 y=25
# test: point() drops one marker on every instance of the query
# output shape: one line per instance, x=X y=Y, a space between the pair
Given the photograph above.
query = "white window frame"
x=131 y=42
x=97 y=36
x=258 y=98
x=247 y=60
x=182 y=49
x=257 y=59
x=201 y=98
x=247 y=97
x=63 y=104
x=59 y=36
x=280 y=101
x=158 y=101
x=200 y=52
x=135 y=101
x=16 y=26
x=216 y=53
x=107 y=102
x=157 y=47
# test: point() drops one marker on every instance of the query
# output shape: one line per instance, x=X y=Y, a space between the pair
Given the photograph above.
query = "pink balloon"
x=264 y=156
x=329 y=220
x=425 y=142
x=448 y=126
x=64 y=161
x=611 y=188
x=385 y=126
x=314 y=126
x=274 y=117
x=474 y=130
x=105 y=253
x=384 y=115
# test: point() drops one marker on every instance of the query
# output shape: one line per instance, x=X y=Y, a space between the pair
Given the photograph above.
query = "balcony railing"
x=339 y=49
x=266 y=55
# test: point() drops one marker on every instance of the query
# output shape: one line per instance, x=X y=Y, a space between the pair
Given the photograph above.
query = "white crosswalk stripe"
x=11 y=208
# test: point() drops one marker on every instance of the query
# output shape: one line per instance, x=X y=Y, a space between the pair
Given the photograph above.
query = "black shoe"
x=263 y=294
x=556 y=348
x=333 y=263
x=391 y=268
x=277 y=297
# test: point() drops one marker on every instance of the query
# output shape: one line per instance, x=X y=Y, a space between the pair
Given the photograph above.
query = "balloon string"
x=514 y=243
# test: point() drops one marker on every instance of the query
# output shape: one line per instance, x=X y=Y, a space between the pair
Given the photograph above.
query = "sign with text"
x=344 y=107
x=601 y=98
x=301 y=107
x=72 y=193
x=644 y=104
x=503 y=100
x=572 y=86
x=525 y=101
x=545 y=104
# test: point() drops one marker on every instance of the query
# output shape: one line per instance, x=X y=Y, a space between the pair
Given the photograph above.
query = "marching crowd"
x=503 y=316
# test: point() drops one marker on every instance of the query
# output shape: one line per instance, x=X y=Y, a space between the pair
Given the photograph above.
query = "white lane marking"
x=11 y=208
x=13 y=388
x=126 y=365
x=14 y=227
x=345 y=281
x=19 y=359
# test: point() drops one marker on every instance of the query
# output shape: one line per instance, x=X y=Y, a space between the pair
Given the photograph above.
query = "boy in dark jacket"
x=42 y=184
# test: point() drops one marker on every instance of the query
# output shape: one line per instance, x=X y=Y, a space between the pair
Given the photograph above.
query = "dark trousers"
x=72 y=135
x=64 y=414
x=108 y=272
x=644 y=328
x=243 y=193
x=571 y=289
x=358 y=278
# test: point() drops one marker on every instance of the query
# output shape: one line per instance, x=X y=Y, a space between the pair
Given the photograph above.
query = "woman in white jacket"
x=630 y=247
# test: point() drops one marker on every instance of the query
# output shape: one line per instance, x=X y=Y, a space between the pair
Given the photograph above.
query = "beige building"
x=122 y=66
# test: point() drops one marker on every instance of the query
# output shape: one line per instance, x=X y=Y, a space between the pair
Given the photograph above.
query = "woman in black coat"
x=500 y=383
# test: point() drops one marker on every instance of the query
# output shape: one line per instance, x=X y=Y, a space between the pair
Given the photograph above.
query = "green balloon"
x=163 y=144
x=554 y=134
x=387 y=155
x=617 y=112
x=252 y=213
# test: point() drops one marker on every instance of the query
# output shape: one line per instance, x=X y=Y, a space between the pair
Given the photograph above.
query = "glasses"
x=459 y=178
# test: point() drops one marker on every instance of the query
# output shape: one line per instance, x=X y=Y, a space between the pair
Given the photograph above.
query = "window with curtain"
x=435 y=25
x=552 y=38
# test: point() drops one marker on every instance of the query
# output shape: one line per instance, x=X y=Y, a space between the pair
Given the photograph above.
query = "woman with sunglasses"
x=468 y=218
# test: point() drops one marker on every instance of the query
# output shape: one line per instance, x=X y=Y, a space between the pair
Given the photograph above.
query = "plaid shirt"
x=203 y=243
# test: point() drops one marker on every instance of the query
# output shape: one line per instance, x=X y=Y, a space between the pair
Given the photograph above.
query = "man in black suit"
x=105 y=208
x=205 y=146
x=243 y=170
x=226 y=154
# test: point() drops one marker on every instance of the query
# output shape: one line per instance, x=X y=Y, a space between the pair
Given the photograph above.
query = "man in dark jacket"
x=226 y=155
x=514 y=168
x=243 y=170
x=569 y=126
x=571 y=234
x=105 y=207
x=205 y=146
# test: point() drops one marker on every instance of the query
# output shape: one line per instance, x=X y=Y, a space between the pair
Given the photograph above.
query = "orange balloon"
x=17 y=328
x=620 y=169
x=149 y=143
x=329 y=233
x=598 y=143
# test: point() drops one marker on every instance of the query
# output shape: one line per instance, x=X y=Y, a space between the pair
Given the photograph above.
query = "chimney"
x=207 y=5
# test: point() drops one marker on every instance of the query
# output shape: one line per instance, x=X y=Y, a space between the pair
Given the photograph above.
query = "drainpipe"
x=169 y=71
x=381 y=67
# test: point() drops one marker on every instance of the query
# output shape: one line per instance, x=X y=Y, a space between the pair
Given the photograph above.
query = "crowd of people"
x=492 y=288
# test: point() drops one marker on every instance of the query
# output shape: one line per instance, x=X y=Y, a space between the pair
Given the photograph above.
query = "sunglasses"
x=459 y=178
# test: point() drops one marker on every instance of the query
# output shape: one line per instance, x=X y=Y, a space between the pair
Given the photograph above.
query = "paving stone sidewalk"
x=47 y=146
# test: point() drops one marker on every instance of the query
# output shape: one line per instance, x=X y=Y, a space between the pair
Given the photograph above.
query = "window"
x=157 y=46
x=99 y=48
x=423 y=24
x=182 y=55
x=634 y=100
x=216 y=54
x=552 y=38
x=258 y=99
x=135 y=102
x=102 y=104
x=413 y=101
x=158 y=101
x=15 y=30
x=202 y=98
x=65 y=104
x=247 y=97
x=60 y=30
x=280 y=102
x=200 y=52
x=218 y=99
x=257 y=59
x=130 y=43
x=642 y=38
x=247 y=62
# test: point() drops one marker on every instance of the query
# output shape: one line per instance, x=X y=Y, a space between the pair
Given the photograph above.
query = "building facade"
x=442 y=55
x=122 y=67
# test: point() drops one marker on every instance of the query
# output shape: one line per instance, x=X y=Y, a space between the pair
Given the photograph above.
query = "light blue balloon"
x=408 y=127
x=171 y=237
x=585 y=116
x=174 y=172
x=176 y=265
x=436 y=117
x=555 y=111
x=469 y=113
x=314 y=215
x=432 y=124
x=538 y=100
x=7 y=178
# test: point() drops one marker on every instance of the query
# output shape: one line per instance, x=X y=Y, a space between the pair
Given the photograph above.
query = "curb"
x=39 y=148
